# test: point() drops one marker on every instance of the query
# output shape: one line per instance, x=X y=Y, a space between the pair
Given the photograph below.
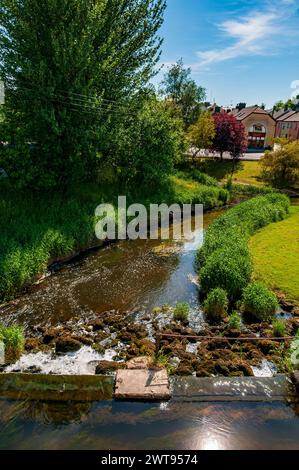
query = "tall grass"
x=37 y=228
x=14 y=340
x=224 y=258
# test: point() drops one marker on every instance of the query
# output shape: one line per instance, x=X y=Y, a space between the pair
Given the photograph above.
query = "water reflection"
x=148 y=426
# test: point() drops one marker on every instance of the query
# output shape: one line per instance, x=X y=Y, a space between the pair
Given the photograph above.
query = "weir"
x=17 y=386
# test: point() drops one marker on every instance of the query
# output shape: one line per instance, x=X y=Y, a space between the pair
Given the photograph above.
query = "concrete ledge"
x=242 y=389
x=142 y=384
x=56 y=387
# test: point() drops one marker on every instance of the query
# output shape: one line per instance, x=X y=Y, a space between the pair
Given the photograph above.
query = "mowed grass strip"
x=275 y=251
x=245 y=172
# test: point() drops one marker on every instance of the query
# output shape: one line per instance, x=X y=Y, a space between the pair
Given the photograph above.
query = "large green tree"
x=71 y=69
x=183 y=91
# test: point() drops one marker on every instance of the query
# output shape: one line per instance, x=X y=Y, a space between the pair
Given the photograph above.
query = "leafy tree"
x=280 y=168
x=230 y=135
x=239 y=142
x=68 y=65
x=148 y=144
x=201 y=134
x=289 y=104
x=184 y=92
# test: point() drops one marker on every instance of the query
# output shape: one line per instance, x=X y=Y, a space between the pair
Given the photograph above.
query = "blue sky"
x=238 y=50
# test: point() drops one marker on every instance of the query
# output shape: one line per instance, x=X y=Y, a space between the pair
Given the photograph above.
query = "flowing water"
x=132 y=277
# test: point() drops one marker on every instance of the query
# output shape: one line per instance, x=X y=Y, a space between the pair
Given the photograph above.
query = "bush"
x=258 y=302
x=13 y=339
x=279 y=328
x=181 y=312
x=203 y=178
x=231 y=273
x=235 y=321
x=224 y=258
x=280 y=168
x=216 y=305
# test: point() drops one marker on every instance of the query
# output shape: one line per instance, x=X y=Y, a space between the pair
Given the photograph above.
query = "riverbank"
x=37 y=229
x=275 y=252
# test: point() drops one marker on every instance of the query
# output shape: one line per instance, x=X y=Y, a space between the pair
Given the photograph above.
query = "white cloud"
x=251 y=35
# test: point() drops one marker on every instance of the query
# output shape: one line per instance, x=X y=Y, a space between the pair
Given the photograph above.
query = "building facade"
x=287 y=126
x=260 y=126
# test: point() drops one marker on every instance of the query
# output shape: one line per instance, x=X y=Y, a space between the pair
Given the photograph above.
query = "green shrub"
x=227 y=269
x=181 y=312
x=235 y=321
x=279 y=328
x=224 y=259
x=14 y=340
x=216 y=305
x=258 y=302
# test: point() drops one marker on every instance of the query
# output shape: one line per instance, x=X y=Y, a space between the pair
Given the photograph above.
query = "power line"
x=79 y=103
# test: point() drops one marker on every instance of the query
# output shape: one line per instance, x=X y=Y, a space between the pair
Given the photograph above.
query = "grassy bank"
x=38 y=228
x=225 y=259
x=246 y=173
x=275 y=253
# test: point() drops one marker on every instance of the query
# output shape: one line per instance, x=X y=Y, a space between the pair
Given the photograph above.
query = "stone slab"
x=142 y=384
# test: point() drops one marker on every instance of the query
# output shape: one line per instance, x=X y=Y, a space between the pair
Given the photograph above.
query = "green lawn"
x=246 y=172
x=275 y=251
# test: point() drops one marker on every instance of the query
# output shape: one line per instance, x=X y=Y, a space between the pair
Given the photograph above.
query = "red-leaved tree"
x=230 y=135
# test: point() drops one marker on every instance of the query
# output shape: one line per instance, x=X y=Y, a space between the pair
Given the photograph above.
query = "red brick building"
x=287 y=125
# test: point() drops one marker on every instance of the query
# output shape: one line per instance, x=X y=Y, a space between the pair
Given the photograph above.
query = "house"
x=259 y=124
x=288 y=125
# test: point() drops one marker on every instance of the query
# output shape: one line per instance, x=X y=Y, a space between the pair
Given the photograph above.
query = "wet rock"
x=33 y=370
x=133 y=350
x=222 y=368
x=146 y=347
x=99 y=348
x=67 y=344
x=138 y=330
x=285 y=303
x=175 y=348
x=266 y=347
x=105 y=367
x=97 y=325
x=84 y=340
x=243 y=367
x=184 y=369
x=32 y=344
x=218 y=344
x=101 y=336
x=51 y=334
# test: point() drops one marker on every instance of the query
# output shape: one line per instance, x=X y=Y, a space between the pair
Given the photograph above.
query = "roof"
x=246 y=112
x=286 y=116
x=293 y=118
x=280 y=113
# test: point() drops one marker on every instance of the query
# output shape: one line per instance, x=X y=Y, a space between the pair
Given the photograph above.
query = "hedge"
x=224 y=259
